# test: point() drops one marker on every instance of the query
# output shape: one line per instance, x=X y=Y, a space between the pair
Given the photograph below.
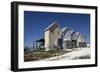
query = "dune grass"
x=34 y=56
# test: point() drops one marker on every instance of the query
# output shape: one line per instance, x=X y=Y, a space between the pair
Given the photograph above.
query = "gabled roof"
x=72 y=32
x=53 y=26
x=65 y=29
x=77 y=33
x=79 y=38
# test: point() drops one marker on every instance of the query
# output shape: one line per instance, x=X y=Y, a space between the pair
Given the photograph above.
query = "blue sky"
x=36 y=22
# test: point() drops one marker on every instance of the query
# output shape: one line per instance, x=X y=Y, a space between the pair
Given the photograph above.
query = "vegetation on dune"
x=33 y=56
x=82 y=57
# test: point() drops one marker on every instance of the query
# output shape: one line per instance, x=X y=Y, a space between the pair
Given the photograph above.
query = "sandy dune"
x=76 y=53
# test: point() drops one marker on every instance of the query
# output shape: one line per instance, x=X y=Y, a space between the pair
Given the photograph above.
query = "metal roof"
x=52 y=26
